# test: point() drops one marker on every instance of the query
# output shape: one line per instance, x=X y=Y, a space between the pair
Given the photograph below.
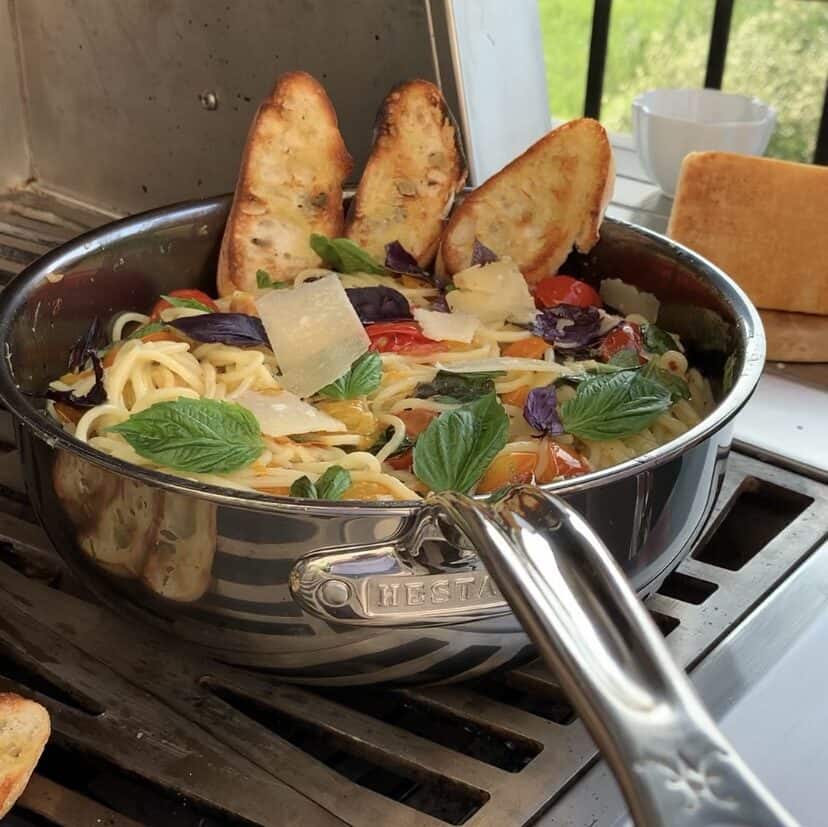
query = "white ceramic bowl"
x=669 y=123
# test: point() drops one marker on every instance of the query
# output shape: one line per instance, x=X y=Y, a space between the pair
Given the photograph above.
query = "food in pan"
x=24 y=731
x=356 y=366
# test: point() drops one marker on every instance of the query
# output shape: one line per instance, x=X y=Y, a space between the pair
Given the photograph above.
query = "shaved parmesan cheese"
x=282 y=413
x=315 y=333
x=629 y=299
x=452 y=327
x=504 y=363
x=493 y=292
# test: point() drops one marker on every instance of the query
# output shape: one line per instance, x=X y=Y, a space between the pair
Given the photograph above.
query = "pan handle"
x=673 y=764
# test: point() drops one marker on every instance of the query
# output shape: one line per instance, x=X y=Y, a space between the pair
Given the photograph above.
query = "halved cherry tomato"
x=532 y=348
x=401 y=337
x=555 y=462
x=552 y=290
x=508 y=469
x=417 y=420
x=627 y=336
x=198 y=295
x=516 y=397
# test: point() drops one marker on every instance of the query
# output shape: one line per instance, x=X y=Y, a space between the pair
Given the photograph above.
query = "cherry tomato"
x=552 y=290
x=532 y=348
x=627 y=336
x=555 y=462
x=417 y=420
x=516 y=397
x=507 y=469
x=401 y=337
x=403 y=461
x=198 y=295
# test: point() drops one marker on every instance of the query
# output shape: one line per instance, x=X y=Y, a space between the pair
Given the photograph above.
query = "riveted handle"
x=673 y=764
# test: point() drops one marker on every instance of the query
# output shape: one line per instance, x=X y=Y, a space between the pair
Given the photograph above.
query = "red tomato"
x=403 y=461
x=198 y=295
x=552 y=290
x=556 y=462
x=401 y=337
x=627 y=336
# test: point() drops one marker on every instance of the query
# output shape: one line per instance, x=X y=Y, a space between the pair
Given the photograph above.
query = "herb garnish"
x=330 y=486
x=363 y=377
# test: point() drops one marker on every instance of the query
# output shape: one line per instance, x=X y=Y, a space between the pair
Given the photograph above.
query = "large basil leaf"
x=455 y=449
x=614 y=406
x=342 y=255
x=457 y=387
x=330 y=486
x=363 y=377
x=203 y=436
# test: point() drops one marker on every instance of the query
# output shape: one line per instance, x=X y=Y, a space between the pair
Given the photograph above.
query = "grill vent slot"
x=686 y=588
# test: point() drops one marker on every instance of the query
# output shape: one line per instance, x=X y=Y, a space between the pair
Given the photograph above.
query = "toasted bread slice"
x=539 y=206
x=415 y=169
x=180 y=564
x=24 y=731
x=290 y=185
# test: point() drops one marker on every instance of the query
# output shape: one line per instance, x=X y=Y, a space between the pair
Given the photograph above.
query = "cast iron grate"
x=146 y=733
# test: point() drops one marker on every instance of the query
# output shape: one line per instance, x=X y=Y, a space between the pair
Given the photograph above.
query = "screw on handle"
x=671 y=761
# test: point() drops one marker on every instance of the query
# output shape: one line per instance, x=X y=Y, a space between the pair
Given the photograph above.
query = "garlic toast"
x=549 y=199
x=290 y=186
x=24 y=731
x=415 y=168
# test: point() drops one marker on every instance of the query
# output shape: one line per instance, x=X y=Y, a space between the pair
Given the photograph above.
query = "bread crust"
x=24 y=731
x=538 y=207
x=415 y=169
x=293 y=168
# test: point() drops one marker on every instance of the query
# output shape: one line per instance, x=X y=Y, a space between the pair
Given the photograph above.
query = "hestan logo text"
x=402 y=594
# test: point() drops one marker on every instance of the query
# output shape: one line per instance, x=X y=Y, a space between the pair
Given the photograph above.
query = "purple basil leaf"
x=379 y=304
x=85 y=346
x=541 y=410
x=399 y=260
x=237 y=329
x=567 y=325
x=95 y=396
x=481 y=254
x=439 y=304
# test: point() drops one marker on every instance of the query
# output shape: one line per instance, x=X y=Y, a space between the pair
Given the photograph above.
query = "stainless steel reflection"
x=234 y=596
x=672 y=763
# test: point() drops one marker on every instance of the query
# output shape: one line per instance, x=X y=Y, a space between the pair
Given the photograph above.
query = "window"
x=776 y=50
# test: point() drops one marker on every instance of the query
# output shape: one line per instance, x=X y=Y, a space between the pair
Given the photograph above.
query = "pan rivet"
x=209 y=100
x=334 y=593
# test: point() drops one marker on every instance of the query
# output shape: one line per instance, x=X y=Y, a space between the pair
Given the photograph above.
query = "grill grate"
x=147 y=733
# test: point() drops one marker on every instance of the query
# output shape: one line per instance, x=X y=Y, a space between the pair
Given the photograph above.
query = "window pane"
x=778 y=52
x=565 y=25
x=653 y=43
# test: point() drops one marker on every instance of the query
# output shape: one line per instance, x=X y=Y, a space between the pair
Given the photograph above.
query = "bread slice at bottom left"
x=24 y=731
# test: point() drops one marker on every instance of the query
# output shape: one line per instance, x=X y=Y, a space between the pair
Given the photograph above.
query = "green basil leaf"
x=614 y=406
x=363 y=377
x=330 y=486
x=204 y=436
x=457 y=387
x=193 y=304
x=146 y=329
x=342 y=255
x=263 y=281
x=678 y=388
x=625 y=359
x=729 y=373
x=656 y=340
x=305 y=488
x=452 y=453
x=333 y=483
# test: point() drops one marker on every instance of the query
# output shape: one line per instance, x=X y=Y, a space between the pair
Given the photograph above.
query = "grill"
x=147 y=732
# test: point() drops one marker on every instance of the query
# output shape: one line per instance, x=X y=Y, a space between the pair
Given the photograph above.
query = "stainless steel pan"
x=379 y=592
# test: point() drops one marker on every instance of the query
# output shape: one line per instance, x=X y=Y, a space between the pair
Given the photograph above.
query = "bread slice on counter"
x=795 y=337
x=24 y=731
x=415 y=169
x=763 y=221
x=539 y=206
x=290 y=184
